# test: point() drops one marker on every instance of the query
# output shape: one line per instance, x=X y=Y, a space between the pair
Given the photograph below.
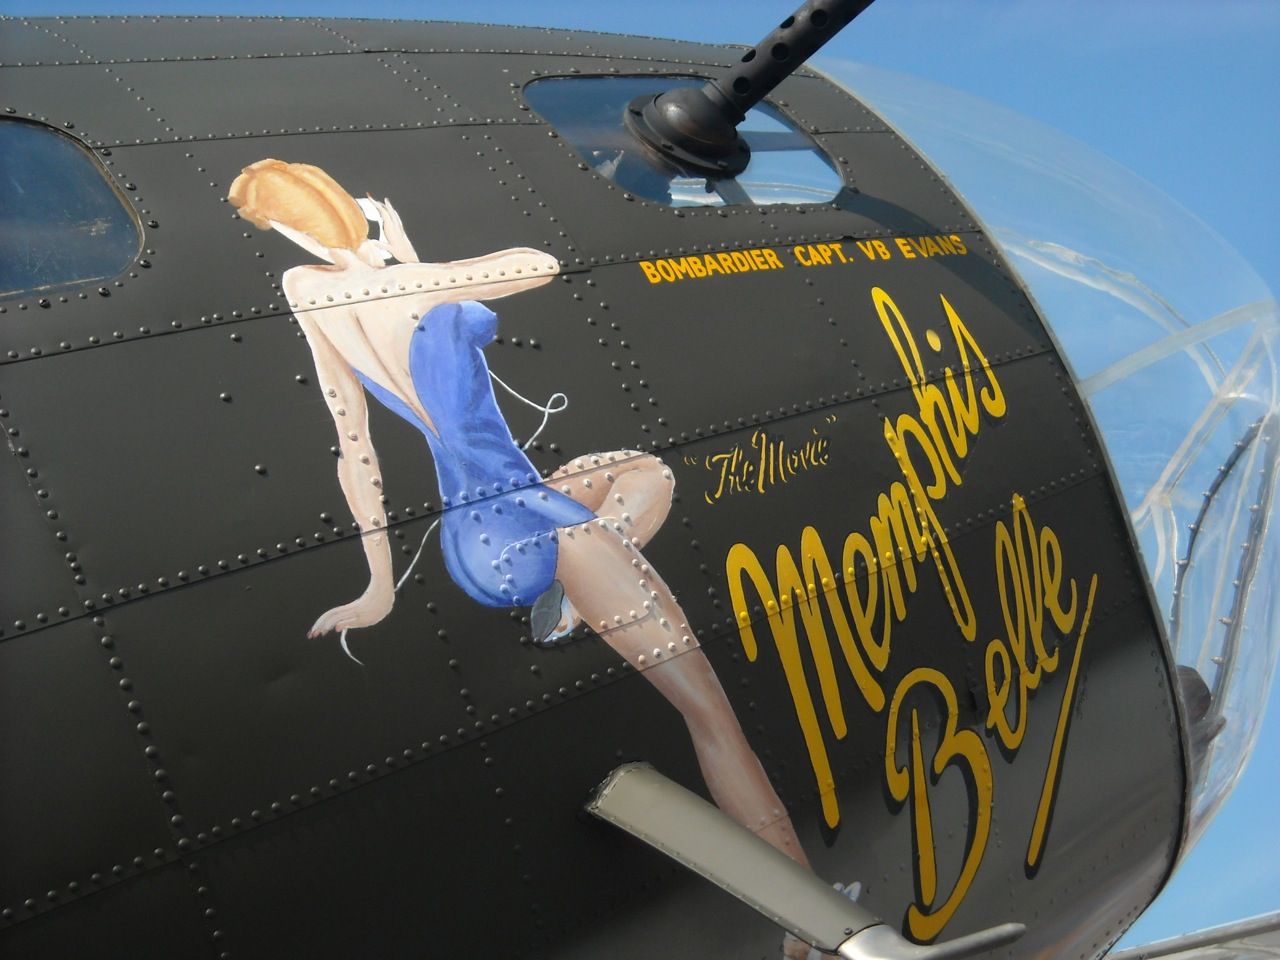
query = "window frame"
x=126 y=206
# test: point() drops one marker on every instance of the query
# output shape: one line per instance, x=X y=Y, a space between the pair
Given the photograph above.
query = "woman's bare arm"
x=361 y=482
x=479 y=278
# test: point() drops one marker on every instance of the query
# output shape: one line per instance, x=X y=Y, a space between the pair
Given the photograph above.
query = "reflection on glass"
x=785 y=165
x=1173 y=341
x=61 y=221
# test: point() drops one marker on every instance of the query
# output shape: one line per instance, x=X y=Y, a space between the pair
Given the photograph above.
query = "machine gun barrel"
x=782 y=52
x=695 y=128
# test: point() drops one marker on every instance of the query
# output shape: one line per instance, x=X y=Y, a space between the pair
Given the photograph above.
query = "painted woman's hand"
x=364 y=611
x=393 y=235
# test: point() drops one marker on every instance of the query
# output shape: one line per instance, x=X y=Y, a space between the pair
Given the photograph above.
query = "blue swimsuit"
x=498 y=529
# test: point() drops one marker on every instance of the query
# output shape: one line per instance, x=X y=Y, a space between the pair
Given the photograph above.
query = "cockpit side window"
x=61 y=219
x=786 y=165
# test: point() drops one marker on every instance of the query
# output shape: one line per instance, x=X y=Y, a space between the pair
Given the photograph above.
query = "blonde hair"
x=302 y=197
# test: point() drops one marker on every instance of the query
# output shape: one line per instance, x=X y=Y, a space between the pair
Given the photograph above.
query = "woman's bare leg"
x=633 y=488
x=623 y=600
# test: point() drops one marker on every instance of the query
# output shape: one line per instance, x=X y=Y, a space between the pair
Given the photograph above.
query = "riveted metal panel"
x=1123 y=702
x=43 y=591
x=490 y=86
x=430 y=36
x=406 y=842
x=820 y=106
x=917 y=273
x=220 y=405
x=168 y=38
x=83 y=100
x=782 y=356
x=618 y=46
x=433 y=675
x=725 y=925
x=1039 y=440
x=898 y=192
x=155 y=915
x=79 y=800
x=373 y=96
x=550 y=845
x=228 y=712
x=402 y=850
x=31 y=42
x=494 y=675
x=414 y=36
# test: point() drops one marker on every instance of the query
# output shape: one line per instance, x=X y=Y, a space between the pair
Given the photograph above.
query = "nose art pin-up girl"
x=412 y=335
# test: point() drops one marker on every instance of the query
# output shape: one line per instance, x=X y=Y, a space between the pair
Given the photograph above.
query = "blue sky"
x=1180 y=91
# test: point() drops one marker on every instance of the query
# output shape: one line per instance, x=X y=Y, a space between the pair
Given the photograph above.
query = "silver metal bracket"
x=638 y=799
